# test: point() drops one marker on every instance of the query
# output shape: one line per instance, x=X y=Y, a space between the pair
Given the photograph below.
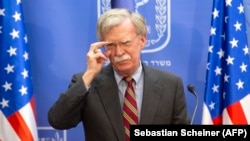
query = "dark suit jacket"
x=99 y=109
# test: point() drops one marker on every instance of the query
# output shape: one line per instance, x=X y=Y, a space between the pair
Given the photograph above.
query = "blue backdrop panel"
x=60 y=33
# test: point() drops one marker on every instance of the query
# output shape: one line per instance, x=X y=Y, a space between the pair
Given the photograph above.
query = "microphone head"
x=191 y=88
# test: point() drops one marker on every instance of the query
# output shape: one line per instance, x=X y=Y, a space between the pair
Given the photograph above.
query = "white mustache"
x=122 y=58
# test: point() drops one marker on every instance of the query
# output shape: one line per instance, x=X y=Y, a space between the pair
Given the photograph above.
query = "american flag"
x=17 y=111
x=227 y=90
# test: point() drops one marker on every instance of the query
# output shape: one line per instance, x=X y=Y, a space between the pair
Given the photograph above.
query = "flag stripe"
x=226 y=118
x=17 y=121
x=7 y=133
x=217 y=120
x=245 y=106
x=234 y=111
x=28 y=115
x=206 y=117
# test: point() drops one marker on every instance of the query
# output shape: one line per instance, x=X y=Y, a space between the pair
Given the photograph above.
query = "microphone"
x=191 y=89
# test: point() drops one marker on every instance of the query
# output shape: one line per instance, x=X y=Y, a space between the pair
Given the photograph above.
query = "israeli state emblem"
x=157 y=15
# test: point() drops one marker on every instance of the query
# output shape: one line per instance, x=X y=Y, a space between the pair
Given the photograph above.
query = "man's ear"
x=143 y=41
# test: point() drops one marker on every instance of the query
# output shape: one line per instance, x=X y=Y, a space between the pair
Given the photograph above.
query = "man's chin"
x=123 y=69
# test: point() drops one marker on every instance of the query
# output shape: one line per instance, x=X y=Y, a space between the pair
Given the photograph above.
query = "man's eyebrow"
x=110 y=43
x=126 y=40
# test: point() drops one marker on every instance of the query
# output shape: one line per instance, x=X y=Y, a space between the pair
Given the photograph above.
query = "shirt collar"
x=136 y=76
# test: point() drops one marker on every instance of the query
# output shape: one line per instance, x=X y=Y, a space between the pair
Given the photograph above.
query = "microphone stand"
x=192 y=90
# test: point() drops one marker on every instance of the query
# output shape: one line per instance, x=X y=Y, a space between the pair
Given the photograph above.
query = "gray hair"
x=114 y=17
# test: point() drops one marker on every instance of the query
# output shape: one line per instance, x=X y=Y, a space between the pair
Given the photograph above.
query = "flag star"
x=210 y=49
x=237 y=26
x=215 y=88
x=229 y=60
x=14 y=34
x=17 y=16
x=221 y=53
x=226 y=77
x=241 y=9
x=240 y=84
x=25 y=73
x=211 y=105
x=7 y=86
x=4 y=103
x=12 y=51
x=25 y=39
x=9 y=68
x=224 y=95
x=223 y=36
x=25 y=56
x=208 y=64
x=234 y=43
x=18 y=2
x=213 y=31
x=243 y=67
x=215 y=13
x=226 y=18
x=2 y=12
x=23 y=90
x=218 y=70
x=246 y=50
x=228 y=2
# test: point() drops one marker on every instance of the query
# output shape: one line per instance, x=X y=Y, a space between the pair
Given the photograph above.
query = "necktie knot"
x=128 y=79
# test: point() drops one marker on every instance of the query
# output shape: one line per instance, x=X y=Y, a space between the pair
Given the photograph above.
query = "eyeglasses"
x=122 y=44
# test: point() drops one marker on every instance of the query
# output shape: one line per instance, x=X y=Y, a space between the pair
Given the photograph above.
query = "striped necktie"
x=130 y=113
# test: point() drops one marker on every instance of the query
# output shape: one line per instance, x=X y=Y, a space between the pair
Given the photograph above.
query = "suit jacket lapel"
x=110 y=98
x=151 y=94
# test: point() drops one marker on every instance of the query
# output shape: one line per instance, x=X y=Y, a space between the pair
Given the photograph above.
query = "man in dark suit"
x=95 y=97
